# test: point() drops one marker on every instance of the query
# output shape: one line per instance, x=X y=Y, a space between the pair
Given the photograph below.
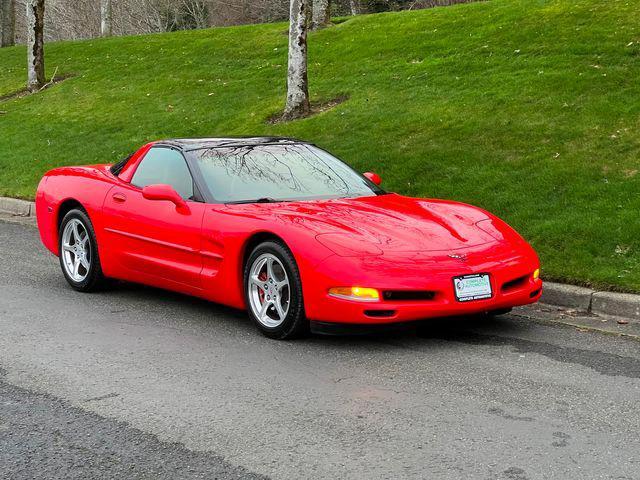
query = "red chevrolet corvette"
x=284 y=229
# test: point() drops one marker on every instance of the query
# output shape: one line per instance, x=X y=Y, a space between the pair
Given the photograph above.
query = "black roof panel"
x=201 y=143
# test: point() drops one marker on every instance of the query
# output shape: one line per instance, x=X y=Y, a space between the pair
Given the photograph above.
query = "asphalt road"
x=141 y=383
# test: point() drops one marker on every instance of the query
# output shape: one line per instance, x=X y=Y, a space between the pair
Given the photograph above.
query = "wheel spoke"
x=270 y=275
x=67 y=248
x=279 y=309
x=254 y=280
x=281 y=285
x=85 y=263
x=265 y=307
x=84 y=241
x=76 y=265
x=76 y=233
x=260 y=266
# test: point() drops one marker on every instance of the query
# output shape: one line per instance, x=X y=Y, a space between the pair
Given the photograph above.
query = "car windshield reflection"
x=272 y=173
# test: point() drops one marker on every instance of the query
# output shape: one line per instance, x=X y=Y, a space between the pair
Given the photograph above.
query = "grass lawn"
x=528 y=108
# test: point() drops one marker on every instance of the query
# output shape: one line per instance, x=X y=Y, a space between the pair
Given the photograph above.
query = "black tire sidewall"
x=295 y=324
x=95 y=270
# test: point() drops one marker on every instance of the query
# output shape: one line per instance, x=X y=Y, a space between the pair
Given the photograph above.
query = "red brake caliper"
x=263 y=278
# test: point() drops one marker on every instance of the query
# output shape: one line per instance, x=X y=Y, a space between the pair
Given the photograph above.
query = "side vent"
x=515 y=283
x=380 y=313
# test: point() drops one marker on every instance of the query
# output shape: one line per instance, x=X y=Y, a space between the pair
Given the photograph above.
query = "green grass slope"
x=527 y=108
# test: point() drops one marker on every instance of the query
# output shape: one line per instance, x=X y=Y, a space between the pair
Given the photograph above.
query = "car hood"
x=390 y=224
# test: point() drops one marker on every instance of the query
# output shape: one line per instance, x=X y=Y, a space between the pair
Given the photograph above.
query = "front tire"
x=78 y=252
x=273 y=292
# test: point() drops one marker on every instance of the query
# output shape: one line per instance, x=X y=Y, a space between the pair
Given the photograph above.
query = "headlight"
x=361 y=294
x=536 y=274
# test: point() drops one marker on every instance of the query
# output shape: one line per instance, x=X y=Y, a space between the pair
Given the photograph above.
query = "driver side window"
x=167 y=166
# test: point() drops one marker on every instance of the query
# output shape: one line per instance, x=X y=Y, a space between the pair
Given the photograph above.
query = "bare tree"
x=297 y=80
x=81 y=19
x=7 y=23
x=321 y=16
x=197 y=12
x=35 y=45
x=106 y=18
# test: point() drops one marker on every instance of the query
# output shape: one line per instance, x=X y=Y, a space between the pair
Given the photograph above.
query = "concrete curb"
x=17 y=208
x=613 y=304
x=624 y=305
x=568 y=296
x=617 y=304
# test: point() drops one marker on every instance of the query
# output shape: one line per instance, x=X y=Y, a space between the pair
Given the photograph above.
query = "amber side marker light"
x=536 y=274
x=362 y=294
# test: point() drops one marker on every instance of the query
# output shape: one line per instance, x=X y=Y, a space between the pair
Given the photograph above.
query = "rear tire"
x=78 y=252
x=273 y=292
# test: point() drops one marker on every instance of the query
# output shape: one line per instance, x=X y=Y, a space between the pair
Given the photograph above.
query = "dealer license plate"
x=472 y=287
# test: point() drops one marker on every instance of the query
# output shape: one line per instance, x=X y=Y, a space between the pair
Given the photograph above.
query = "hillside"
x=528 y=108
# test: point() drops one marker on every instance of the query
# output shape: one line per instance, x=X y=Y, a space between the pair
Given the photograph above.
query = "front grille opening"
x=400 y=295
x=379 y=313
x=534 y=293
x=515 y=283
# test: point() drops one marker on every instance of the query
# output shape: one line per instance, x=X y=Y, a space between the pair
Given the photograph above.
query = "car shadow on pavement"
x=428 y=334
x=507 y=331
x=125 y=298
x=130 y=296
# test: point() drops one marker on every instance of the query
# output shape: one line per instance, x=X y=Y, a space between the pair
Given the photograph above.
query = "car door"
x=153 y=241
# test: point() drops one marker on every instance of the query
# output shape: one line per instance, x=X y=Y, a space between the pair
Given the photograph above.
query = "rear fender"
x=84 y=186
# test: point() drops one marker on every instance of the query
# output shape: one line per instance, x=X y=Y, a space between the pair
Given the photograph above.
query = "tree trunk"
x=297 y=81
x=35 y=44
x=7 y=23
x=355 y=7
x=321 y=14
x=106 y=18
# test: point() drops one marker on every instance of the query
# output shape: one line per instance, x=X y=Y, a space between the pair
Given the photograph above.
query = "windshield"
x=277 y=173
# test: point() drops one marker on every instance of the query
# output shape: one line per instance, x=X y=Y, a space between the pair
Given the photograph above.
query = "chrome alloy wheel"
x=269 y=291
x=76 y=250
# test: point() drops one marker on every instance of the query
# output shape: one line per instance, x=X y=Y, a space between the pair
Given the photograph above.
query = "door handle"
x=119 y=197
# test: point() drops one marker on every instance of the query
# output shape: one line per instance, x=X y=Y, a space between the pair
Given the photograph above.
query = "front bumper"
x=349 y=311
x=510 y=274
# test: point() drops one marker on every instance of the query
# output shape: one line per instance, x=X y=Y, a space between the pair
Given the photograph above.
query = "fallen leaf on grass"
x=622 y=249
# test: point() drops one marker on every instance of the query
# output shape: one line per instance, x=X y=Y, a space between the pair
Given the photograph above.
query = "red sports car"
x=284 y=229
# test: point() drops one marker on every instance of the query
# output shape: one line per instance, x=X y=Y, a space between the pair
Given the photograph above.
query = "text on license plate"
x=472 y=287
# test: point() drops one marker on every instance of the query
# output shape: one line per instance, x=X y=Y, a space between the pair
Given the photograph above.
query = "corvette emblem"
x=457 y=256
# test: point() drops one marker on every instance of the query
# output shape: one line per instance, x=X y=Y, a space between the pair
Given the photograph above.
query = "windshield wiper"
x=256 y=200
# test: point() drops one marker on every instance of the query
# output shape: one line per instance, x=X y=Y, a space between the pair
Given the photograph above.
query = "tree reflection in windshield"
x=278 y=172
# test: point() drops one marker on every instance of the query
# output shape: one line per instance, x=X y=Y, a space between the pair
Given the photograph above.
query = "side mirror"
x=165 y=192
x=374 y=177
